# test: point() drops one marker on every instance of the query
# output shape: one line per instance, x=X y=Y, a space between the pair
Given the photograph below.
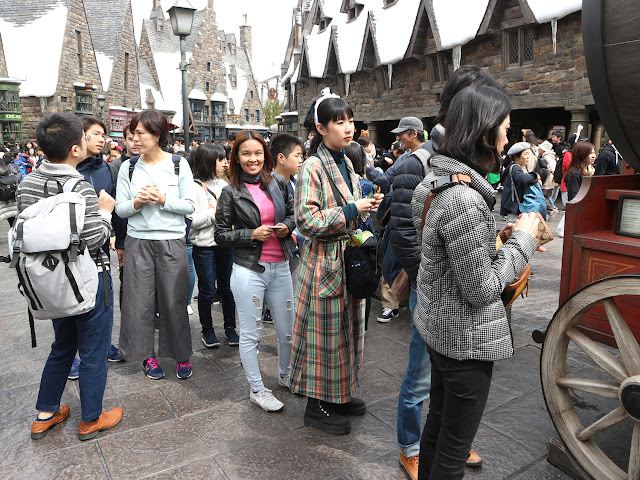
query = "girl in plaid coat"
x=329 y=325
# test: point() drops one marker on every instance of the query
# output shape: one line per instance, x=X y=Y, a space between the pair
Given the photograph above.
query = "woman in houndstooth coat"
x=459 y=313
x=328 y=333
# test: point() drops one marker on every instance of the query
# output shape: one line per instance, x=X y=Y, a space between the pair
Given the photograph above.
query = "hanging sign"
x=273 y=94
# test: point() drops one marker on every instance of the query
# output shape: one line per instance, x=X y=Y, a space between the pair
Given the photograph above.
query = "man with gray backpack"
x=64 y=274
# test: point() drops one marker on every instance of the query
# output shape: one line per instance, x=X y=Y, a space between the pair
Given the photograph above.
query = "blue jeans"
x=213 y=265
x=90 y=335
x=414 y=390
x=192 y=270
x=249 y=290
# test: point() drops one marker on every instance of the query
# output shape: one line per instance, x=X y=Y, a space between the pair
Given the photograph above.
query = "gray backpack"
x=56 y=273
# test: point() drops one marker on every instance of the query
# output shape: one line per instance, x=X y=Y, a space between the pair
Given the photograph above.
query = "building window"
x=118 y=122
x=234 y=81
x=208 y=66
x=519 y=47
x=246 y=114
x=200 y=114
x=11 y=131
x=218 y=133
x=439 y=68
x=126 y=71
x=79 y=50
x=9 y=101
x=257 y=115
x=206 y=86
x=84 y=101
x=251 y=92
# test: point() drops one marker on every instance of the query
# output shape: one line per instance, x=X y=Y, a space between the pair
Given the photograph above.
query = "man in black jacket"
x=609 y=161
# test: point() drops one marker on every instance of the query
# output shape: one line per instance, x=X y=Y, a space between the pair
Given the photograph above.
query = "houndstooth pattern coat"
x=459 y=312
x=328 y=333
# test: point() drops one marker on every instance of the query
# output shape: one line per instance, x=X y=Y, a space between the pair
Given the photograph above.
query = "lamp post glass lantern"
x=101 y=104
x=181 y=15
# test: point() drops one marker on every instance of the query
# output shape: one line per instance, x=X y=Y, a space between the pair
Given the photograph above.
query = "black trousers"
x=459 y=391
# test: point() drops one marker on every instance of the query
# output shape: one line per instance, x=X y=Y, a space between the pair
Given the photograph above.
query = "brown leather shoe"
x=410 y=464
x=40 y=428
x=474 y=459
x=106 y=420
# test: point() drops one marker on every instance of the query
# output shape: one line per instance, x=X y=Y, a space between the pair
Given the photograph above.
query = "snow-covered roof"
x=392 y=28
x=453 y=28
x=33 y=43
x=197 y=94
x=105 y=67
x=547 y=10
x=218 y=97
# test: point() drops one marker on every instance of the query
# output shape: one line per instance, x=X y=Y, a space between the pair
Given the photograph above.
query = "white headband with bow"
x=326 y=93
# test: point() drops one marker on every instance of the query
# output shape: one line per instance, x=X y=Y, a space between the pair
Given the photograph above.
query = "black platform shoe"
x=353 y=407
x=321 y=415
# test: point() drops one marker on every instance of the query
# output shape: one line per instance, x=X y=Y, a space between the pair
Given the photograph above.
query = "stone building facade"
x=545 y=77
x=220 y=82
x=83 y=53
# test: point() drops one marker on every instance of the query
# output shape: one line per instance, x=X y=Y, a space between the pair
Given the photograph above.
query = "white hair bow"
x=326 y=93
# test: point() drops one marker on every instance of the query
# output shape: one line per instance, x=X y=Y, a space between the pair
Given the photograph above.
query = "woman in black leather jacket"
x=255 y=217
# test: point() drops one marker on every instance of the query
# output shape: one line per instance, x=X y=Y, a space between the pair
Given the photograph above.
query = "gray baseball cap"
x=409 y=123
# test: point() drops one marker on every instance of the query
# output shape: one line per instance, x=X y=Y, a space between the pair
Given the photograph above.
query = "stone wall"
x=64 y=99
x=117 y=94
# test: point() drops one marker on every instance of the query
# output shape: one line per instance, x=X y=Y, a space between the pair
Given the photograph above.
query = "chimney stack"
x=245 y=36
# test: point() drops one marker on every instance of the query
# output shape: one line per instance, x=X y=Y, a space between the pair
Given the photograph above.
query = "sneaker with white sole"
x=387 y=314
x=265 y=400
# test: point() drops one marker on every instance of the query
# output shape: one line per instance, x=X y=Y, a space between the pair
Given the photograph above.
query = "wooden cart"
x=599 y=314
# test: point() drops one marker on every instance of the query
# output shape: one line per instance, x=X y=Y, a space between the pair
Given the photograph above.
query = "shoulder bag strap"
x=514 y=193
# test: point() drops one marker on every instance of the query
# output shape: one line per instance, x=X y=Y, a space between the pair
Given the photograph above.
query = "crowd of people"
x=264 y=227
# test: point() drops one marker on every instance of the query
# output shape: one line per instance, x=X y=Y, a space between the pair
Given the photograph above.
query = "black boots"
x=354 y=407
x=321 y=415
x=329 y=417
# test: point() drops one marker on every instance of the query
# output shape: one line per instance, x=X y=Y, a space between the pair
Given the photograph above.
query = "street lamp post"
x=181 y=15
x=101 y=103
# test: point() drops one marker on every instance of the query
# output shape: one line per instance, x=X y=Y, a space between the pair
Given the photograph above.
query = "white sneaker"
x=189 y=310
x=265 y=400
x=285 y=381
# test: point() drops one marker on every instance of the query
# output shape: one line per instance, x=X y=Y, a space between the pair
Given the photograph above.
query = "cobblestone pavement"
x=205 y=427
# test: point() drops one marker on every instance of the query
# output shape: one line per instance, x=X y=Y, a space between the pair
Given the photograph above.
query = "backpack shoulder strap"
x=424 y=155
x=441 y=183
x=71 y=185
x=514 y=193
x=132 y=165
x=176 y=163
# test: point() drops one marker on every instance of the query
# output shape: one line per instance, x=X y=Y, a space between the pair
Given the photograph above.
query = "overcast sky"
x=270 y=21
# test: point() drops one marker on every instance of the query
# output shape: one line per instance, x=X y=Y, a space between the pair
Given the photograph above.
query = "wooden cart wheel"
x=623 y=370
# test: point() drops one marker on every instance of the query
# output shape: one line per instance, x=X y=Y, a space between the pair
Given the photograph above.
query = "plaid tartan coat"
x=328 y=333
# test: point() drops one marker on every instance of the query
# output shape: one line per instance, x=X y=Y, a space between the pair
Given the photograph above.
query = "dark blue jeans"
x=459 y=391
x=213 y=266
x=413 y=391
x=90 y=335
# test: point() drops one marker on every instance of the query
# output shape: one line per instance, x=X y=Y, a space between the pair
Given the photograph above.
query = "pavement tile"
x=316 y=455
x=206 y=392
x=386 y=467
x=138 y=453
x=541 y=469
x=199 y=470
x=80 y=462
x=524 y=420
x=501 y=457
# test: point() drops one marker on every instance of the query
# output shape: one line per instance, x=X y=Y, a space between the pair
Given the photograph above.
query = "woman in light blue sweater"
x=155 y=192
